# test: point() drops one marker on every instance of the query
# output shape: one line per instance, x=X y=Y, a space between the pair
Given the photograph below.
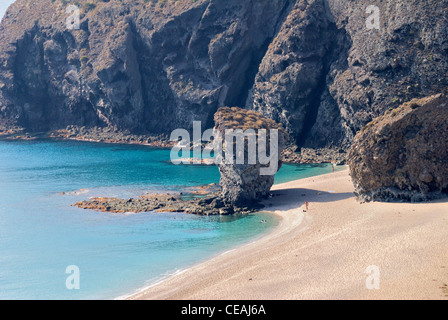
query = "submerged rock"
x=403 y=154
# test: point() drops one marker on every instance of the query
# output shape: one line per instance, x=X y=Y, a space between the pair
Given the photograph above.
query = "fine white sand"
x=324 y=253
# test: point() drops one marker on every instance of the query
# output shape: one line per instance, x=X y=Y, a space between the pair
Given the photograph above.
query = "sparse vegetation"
x=237 y=118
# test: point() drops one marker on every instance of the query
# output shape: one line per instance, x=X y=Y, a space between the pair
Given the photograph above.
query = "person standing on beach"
x=306 y=205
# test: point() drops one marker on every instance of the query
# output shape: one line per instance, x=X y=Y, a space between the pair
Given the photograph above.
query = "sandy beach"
x=324 y=253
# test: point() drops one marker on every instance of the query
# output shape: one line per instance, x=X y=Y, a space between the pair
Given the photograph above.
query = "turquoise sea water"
x=41 y=233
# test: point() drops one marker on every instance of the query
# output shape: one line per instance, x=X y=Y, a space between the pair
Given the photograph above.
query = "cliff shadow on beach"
x=290 y=198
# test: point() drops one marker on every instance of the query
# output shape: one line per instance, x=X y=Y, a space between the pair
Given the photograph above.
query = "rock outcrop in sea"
x=243 y=182
x=402 y=156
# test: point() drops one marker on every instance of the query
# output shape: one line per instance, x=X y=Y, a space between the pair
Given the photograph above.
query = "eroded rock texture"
x=152 y=66
x=403 y=154
x=243 y=181
x=133 y=65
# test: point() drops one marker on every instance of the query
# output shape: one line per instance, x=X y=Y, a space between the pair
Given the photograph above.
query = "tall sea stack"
x=245 y=182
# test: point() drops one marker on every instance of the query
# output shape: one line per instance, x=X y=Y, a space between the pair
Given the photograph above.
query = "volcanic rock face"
x=142 y=66
x=403 y=154
x=326 y=74
x=291 y=85
x=153 y=66
x=243 y=181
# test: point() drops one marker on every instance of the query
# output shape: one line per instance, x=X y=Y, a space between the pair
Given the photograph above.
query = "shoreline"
x=324 y=253
x=142 y=291
x=93 y=135
x=178 y=272
x=286 y=223
x=290 y=154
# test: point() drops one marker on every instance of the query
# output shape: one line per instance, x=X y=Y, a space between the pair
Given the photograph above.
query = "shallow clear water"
x=41 y=233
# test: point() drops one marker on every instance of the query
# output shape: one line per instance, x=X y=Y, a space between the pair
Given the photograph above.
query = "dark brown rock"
x=403 y=154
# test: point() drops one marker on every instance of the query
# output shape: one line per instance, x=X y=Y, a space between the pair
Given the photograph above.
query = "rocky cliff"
x=403 y=154
x=152 y=66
